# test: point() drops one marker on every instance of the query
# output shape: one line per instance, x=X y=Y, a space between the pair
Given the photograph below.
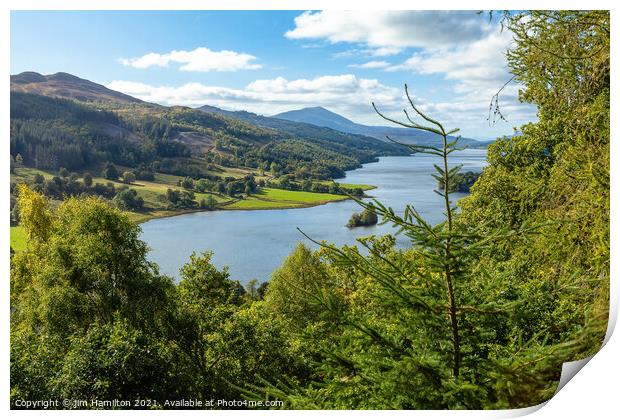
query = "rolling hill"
x=68 y=86
x=61 y=120
x=314 y=132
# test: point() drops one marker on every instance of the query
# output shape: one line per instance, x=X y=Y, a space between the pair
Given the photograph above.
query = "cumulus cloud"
x=481 y=60
x=463 y=48
x=388 y=32
x=371 y=65
x=345 y=94
x=200 y=59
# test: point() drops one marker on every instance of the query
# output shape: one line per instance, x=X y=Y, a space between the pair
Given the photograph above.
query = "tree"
x=187 y=183
x=292 y=285
x=63 y=172
x=368 y=217
x=19 y=160
x=204 y=285
x=90 y=316
x=202 y=185
x=88 y=179
x=110 y=172
x=39 y=179
x=210 y=202
x=274 y=168
x=128 y=177
x=36 y=217
x=128 y=200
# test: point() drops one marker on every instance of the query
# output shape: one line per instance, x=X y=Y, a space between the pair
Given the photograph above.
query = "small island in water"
x=368 y=217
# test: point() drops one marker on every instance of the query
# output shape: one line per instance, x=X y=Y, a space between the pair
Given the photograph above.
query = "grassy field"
x=275 y=194
x=152 y=191
x=253 y=203
x=274 y=198
x=365 y=187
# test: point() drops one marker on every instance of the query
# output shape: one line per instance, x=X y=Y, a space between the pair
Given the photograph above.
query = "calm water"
x=254 y=243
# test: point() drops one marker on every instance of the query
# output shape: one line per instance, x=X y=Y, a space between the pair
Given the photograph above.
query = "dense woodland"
x=50 y=133
x=479 y=312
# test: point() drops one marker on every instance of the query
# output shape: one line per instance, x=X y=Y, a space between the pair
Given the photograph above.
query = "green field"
x=151 y=192
x=148 y=190
x=275 y=194
x=274 y=198
x=365 y=187
x=256 y=204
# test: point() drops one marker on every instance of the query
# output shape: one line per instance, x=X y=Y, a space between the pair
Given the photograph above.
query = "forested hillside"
x=478 y=312
x=216 y=160
x=77 y=135
x=324 y=136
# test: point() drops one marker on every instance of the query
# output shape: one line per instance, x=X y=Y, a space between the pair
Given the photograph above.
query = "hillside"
x=65 y=131
x=135 y=132
x=64 y=85
x=321 y=134
x=324 y=118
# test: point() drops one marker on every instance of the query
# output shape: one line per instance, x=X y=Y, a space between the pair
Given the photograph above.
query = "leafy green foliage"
x=92 y=319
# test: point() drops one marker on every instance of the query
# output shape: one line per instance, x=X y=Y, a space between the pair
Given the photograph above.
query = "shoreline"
x=182 y=212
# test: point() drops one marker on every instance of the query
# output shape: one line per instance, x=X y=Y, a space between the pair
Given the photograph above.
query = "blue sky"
x=272 y=61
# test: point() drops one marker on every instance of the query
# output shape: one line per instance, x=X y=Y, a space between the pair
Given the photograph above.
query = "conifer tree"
x=421 y=338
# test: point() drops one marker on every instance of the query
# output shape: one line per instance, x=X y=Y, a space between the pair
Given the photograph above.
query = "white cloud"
x=462 y=47
x=388 y=32
x=346 y=94
x=477 y=71
x=368 y=52
x=371 y=65
x=478 y=61
x=201 y=59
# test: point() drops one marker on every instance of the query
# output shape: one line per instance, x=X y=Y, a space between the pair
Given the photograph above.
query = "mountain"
x=65 y=85
x=61 y=120
x=325 y=118
x=325 y=136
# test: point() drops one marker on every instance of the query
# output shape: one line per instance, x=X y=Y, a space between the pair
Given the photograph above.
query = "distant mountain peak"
x=323 y=117
x=65 y=85
x=28 y=77
x=320 y=116
x=64 y=76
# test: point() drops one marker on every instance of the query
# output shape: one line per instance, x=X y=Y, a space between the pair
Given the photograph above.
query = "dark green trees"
x=461 y=182
x=128 y=199
x=88 y=179
x=110 y=172
x=367 y=217
x=129 y=177
x=91 y=318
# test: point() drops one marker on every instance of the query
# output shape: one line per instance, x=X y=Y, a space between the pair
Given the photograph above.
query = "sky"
x=273 y=61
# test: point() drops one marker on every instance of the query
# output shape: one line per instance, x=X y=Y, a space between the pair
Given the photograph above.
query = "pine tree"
x=421 y=336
